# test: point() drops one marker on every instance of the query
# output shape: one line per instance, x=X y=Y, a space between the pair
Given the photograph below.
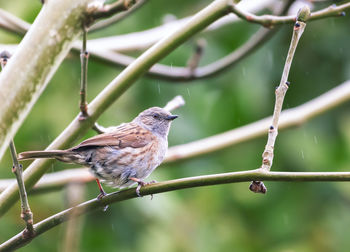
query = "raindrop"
x=315 y=140
x=188 y=92
x=158 y=88
x=302 y=154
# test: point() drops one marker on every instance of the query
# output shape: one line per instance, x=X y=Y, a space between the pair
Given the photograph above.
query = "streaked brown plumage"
x=123 y=156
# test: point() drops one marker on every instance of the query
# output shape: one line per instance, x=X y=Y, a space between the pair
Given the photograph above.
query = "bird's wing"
x=126 y=135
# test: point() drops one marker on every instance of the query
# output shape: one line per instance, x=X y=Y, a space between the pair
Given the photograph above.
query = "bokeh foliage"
x=290 y=217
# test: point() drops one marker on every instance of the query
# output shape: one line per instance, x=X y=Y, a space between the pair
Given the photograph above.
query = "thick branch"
x=49 y=41
x=172 y=185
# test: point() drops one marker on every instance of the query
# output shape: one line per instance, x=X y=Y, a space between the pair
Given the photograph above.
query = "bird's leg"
x=140 y=184
x=102 y=192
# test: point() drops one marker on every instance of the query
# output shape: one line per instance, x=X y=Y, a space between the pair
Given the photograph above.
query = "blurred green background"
x=290 y=217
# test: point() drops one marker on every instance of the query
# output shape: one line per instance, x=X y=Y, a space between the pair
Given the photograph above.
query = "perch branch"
x=41 y=227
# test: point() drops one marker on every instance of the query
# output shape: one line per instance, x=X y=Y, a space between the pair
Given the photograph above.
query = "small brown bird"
x=125 y=155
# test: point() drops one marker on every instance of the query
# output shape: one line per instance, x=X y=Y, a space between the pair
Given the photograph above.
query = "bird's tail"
x=41 y=154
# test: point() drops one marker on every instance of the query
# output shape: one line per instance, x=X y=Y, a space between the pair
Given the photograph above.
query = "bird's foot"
x=141 y=184
x=101 y=195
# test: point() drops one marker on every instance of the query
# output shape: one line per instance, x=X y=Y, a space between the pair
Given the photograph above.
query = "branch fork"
x=298 y=29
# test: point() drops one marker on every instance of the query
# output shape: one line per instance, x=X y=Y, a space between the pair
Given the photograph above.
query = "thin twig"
x=172 y=185
x=270 y=20
x=84 y=57
x=193 y=61
x=26 y=213
x=108 y=10
x=116 y=18
x=175 y=103
x=280 y=93
x=17 y=169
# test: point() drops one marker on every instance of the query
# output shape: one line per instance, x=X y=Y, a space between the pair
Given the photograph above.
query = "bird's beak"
x=171 y=117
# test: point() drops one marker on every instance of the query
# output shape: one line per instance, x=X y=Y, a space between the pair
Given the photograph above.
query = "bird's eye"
x=156 y=116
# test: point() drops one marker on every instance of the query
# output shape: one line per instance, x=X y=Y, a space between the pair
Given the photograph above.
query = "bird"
x=123 y=156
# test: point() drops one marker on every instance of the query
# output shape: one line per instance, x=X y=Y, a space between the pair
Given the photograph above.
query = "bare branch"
x=12 y=23
x=270 y=20
x=17 y=169
x=176 y=102
x=299 y=27
x=107 y=10
x=116 y=18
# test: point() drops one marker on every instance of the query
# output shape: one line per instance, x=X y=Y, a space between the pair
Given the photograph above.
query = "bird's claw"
x=140 y=184
x=101 y=195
